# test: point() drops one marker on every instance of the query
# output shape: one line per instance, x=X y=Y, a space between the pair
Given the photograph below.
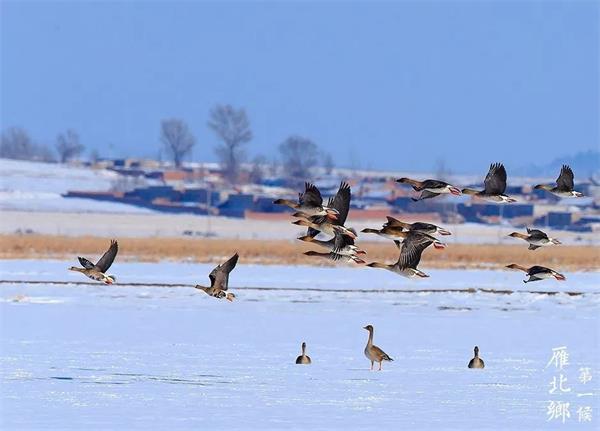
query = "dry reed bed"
x=290 y=252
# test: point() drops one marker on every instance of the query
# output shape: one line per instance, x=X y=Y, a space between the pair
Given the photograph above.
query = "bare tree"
x=299 y=155
x=257 y=172
x=177 y=139
x=442 y=171
x=328 y=163
x=68 y=146
x=16 y=144
x=233 y=129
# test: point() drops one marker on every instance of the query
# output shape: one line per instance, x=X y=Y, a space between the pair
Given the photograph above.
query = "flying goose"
x=335 y=256
x=303 y=359
x=341 y=203
x=219 y=280
x=564 y=184
x=418 y=226
x=476 y=362
x=536 y=238
x=410 y=255
x=495 y=186
x=98 y=271
x=430 y=188
x=537 y=273
x=339 y=244
x=374 y=353
x=310 y=202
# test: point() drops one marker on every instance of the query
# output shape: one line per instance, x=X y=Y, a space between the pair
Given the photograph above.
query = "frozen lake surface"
x=122 y=357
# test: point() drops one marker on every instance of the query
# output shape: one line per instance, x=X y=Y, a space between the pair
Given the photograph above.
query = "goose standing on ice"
x=410 y=255
x=430 y=188
x=303 y=359
x=374 y=353
x=564 y=185
x=476 y=362
x=537 y=273
x=494 y=186
x=98 y=271
x=310 y=202
x=536 y=238
x=219 y=280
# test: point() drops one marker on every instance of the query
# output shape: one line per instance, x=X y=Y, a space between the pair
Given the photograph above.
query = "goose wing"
x=433 y=184
x=425 y=194
x=311 y=196
x=341 y=202
x=565 y=179
x=495 y=180
x=108 y=258
x=412 y=248
x=341 y=241
x=536 y=233
x=85 y=263
x=219 y=277
x=423 y=227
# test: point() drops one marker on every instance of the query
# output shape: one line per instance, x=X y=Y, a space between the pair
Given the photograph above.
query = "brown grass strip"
x=269 y=252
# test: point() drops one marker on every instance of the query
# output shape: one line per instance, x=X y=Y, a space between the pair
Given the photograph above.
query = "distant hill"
x=584 y=165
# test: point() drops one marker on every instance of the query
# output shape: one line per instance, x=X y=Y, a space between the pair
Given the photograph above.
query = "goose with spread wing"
x=310 y=202
x=564 y=185
x=430 y=188
x=219 y=280
x=410 y=255
x=494 y=186
x=536 y=238
x=98 y=271
x=537 y=273
x=327 y=225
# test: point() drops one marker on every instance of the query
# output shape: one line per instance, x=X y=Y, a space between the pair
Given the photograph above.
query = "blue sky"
x=390 y=85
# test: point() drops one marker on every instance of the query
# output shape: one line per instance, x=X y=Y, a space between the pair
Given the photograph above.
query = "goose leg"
x=371 y=365
x=379 y=366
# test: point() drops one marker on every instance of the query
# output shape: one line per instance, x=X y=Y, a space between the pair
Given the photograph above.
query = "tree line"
x=298 y=155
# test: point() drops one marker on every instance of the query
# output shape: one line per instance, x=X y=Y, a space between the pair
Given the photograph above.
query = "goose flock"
x=410 y=238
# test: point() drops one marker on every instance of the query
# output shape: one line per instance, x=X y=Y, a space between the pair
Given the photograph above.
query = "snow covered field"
x=121 y=357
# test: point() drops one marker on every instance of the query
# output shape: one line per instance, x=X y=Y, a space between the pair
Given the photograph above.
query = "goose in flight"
x=494 y=186
x=536 y=238
x=374 y=353
x=98 y=271
x=410 y=255
x=335 y=256
x=341 y=203
x=564 y=184
x=537 y=273
x=310 y=202
x=303 y=359
x=418 y=226
x=339 y=244
x=430 y=188
x=476 y=362
x=219 y=280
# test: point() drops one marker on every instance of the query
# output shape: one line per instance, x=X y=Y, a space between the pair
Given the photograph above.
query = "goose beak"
x=444 y=231
x=455 y=191
x=361 y=252
x=559 y=277
x=331 y=216
x=439 y=245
